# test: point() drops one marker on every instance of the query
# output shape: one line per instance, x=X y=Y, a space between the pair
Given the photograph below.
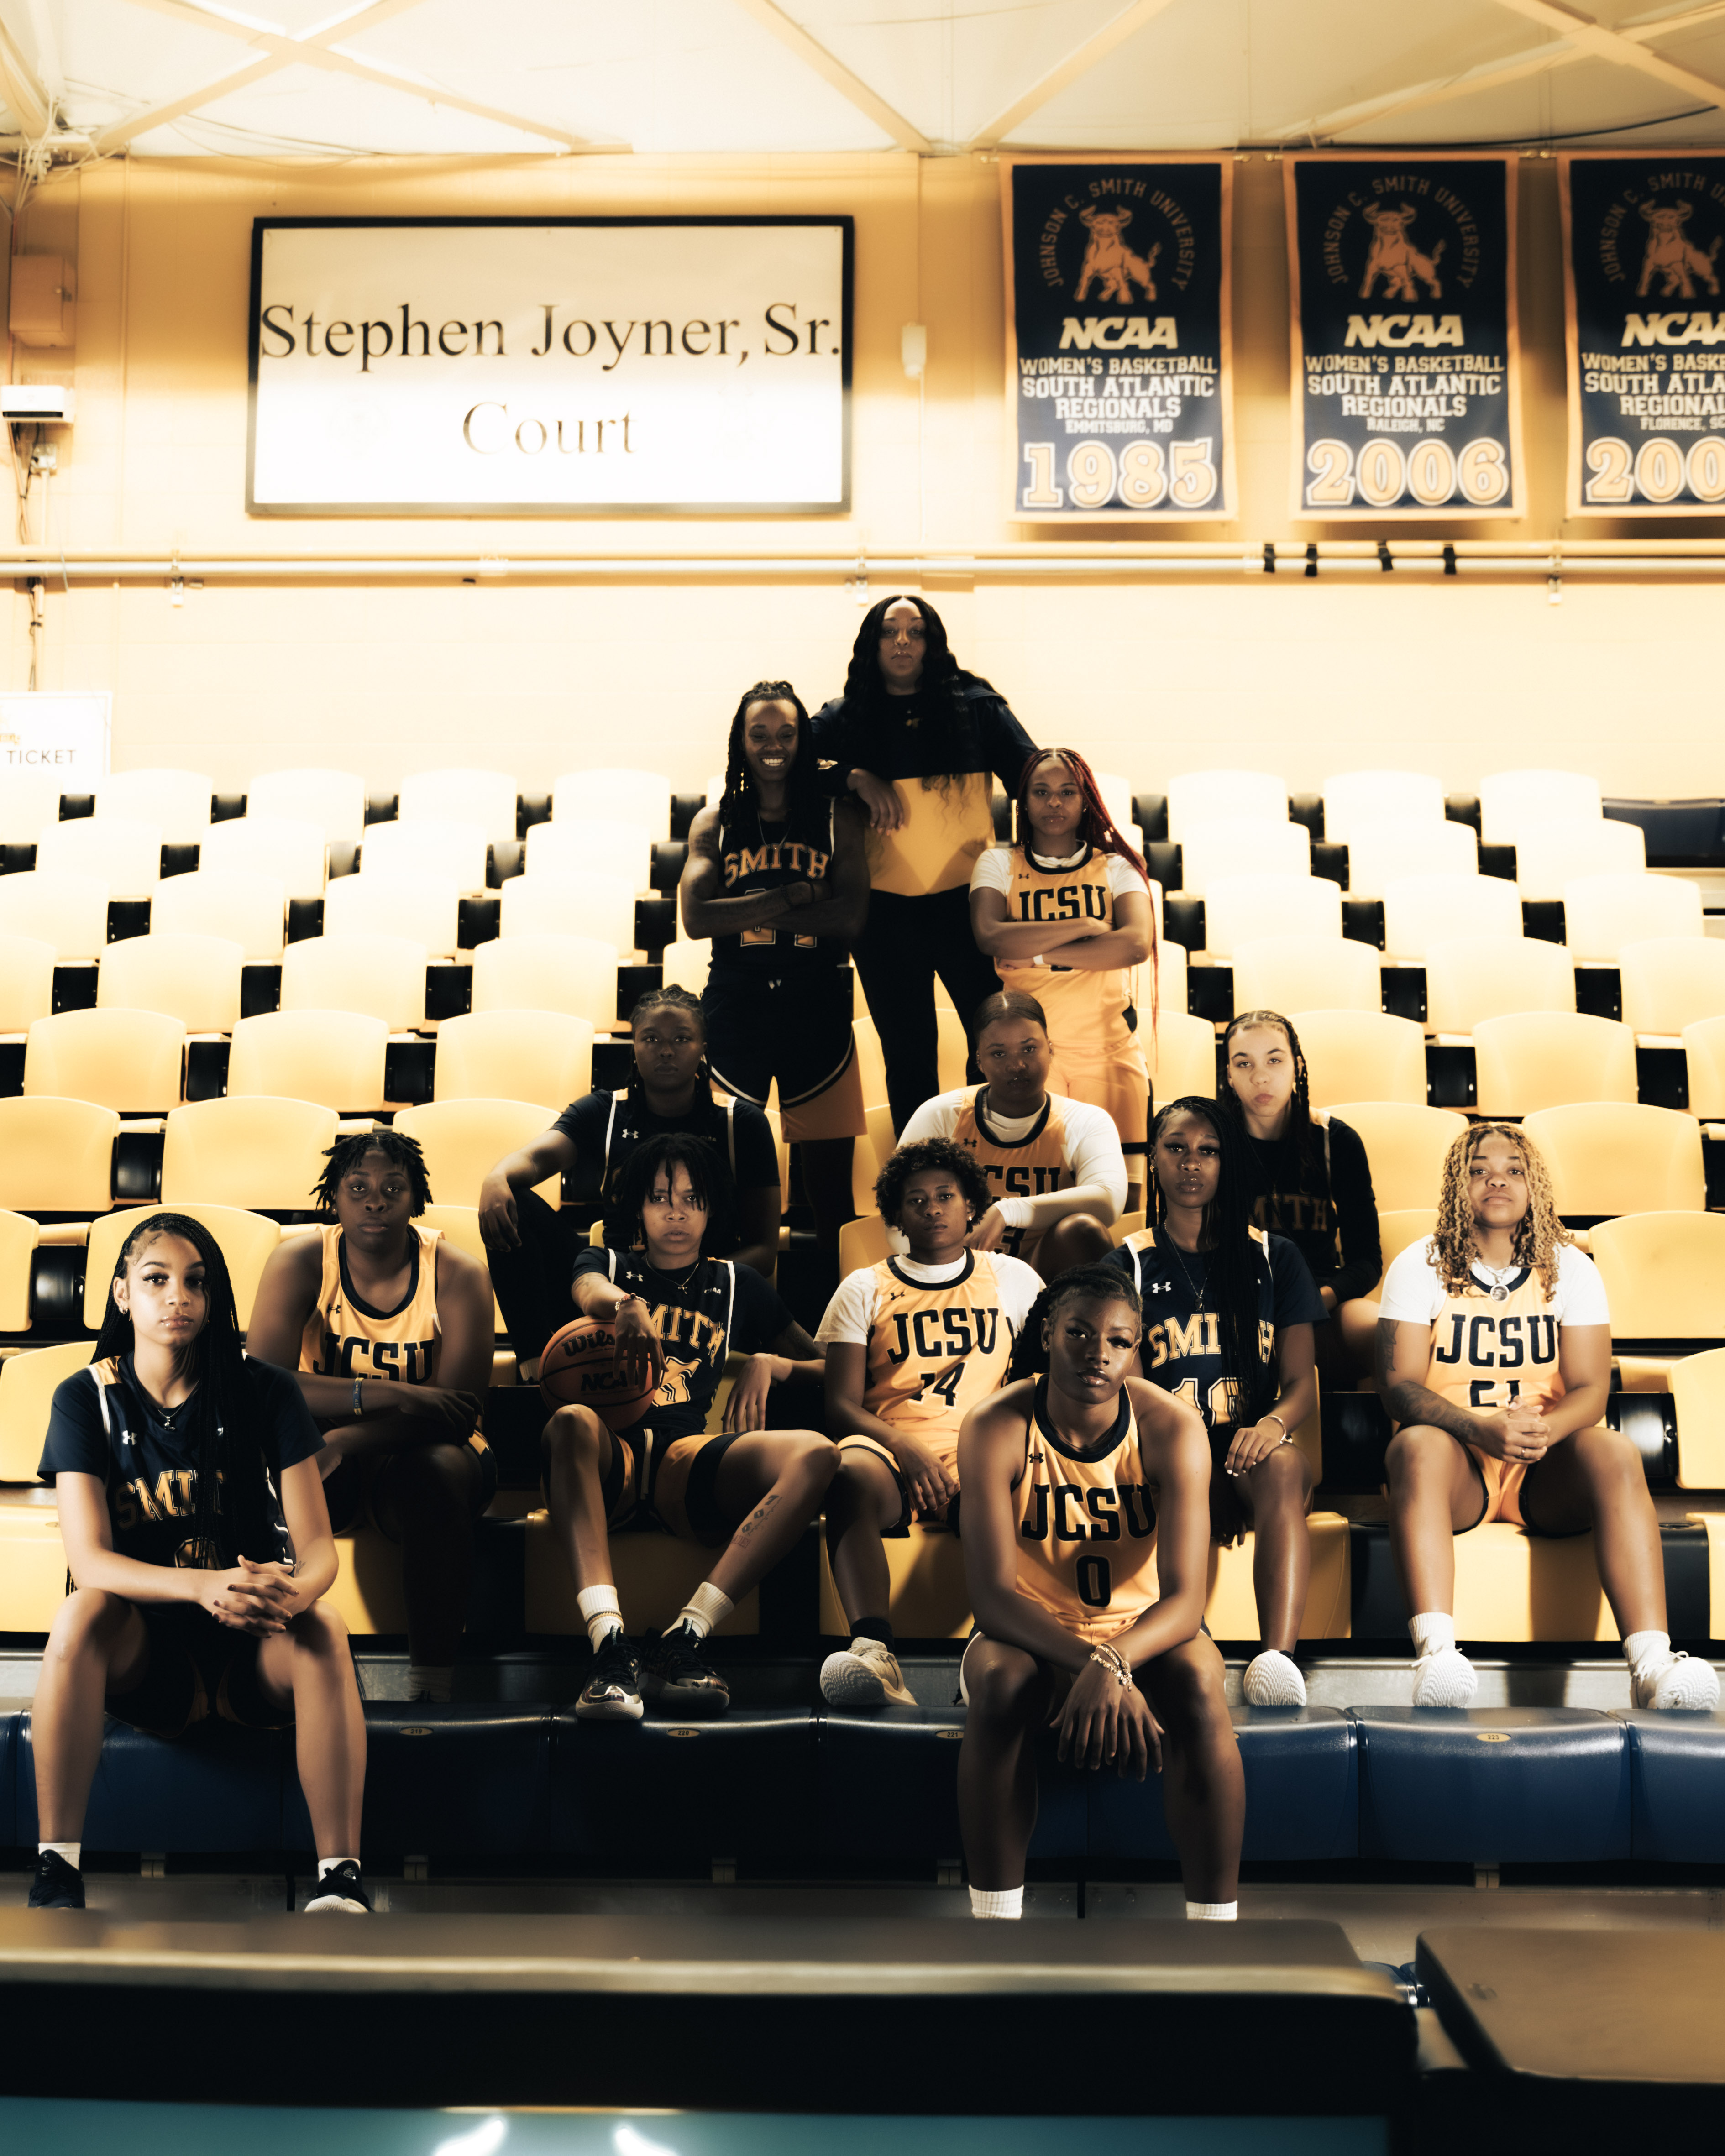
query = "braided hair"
x=709 y=1177
x=946 y=725
x=1233 y=1258
x=1103 y=1283
x=396 y=1147
x=671 y=997
x=1299 y=1124
x=1096 y=828
x=1540 y=1233
x=738 y=796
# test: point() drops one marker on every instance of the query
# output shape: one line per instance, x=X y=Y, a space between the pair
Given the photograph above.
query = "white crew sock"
x=1009 y=1902
x=1433 y=1632
x=602 y=1613
x=426 y=1681
x=1213 y=1912
x=327 y=1864
x=71 y=1851
x=1641 y=1648
x=704 y=1608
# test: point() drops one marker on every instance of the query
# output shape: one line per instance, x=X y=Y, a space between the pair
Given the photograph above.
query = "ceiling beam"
x=1591 y=40
x=833 y=72
x=1078 y=62
x=25 y=95
x=1438 y=90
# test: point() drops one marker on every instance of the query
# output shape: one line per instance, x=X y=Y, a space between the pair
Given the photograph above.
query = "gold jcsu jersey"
x=1086 y=1527
x=1086 y=1009
x=1033 y=1166
x=346 y=1338
x=936 y=1350
x=1488 y=1355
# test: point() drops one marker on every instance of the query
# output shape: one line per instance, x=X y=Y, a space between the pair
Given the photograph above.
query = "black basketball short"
x=794 y=1027
x=198 y=1671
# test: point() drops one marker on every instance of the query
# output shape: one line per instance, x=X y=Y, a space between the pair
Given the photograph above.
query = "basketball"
x=576 y=1371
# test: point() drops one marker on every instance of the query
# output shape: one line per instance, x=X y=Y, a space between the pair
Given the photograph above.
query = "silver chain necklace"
x=1199 y=1292
x=1499 y=1290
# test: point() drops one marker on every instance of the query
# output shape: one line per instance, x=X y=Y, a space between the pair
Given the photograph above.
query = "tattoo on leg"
x=757 y=1518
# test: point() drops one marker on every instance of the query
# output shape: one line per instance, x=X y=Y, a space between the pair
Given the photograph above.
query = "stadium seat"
x=1127 y=1225
x=1698 y=1385
x=1356 y=801
x=1550 y=855
x=1378 y=853
x=1547 y=1059
x=250 y=909
x=1293 y=972
x=1671 y=982
x=464 y=1140
x=583 y=846
x=293 y=852
x=248 y=1242
x=1675 y=1816
x=461 y=1225
x=127 y=856
x=1608 y=1157
x=177 y=802
x=1171 y=989
x=382 y=976
x=1704 y=1054
x=1240 y=909
x=129 y=1059
x=59 y=906
x=571 y=903
x=485 y=798
x=334 y=1058
x=1210 y=797
x=1399 y=1227
x=625 y=797
x=862 y=1242
x=425 y=910
x=257 y=1152
x=1362 y=1055
x=335 y=801
x=1242 y=845
x=1405 y=1148
x=26 y=982
x=432 y=850
x=27 y=1383
x=19 y=1235
x=1470 y=978
x=1182 y=1059
x=685 y=962
x=192 y=977
x=571 y=974
x=1512 y=802
x=1602 y=913
x=1423 y=910
x=57 y=1156
x=1664 y=1274
x=219 y=1790
x=28 y=799
x=542 y=1053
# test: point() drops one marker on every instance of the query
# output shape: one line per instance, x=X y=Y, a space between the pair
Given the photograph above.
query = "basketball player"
x=1065 y=913
x=531 y=1248
x=1228 y=1315
x=912 y=1344
x=198 y=1544
x=1494 y=1358
x=747 y=1492
x=777 y=877
x=389 y=1328
x=1082 y=1489
x=1054 y=1165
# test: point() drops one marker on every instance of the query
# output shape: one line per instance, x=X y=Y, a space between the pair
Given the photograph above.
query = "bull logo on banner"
x=1109 y=260
x=1394 y=257
x=1671 y=255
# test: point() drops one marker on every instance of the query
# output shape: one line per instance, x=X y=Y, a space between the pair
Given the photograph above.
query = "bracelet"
x=1115 y=1663
x=1274 y=1417
x=358 y=1404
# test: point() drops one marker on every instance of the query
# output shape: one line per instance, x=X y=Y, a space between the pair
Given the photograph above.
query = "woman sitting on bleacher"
x=1309 y=1180
x=199 y=1544
x=912 y=1344
x=532 y=1248
x=1229 y=1313
x=678 y=1312
x=1494 y=1357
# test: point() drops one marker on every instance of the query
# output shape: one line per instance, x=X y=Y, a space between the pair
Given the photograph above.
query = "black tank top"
x=757 y=856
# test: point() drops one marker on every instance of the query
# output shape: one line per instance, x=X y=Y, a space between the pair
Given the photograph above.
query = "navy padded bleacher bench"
x=1677 y=1765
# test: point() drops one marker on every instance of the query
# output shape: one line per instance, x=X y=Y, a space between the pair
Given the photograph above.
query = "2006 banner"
x=1118 y=359
x=1644 y=319
x=1406 y=371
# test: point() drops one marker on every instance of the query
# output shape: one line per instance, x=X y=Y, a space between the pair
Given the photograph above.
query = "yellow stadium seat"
x=1664 y=1274
x=380 y=976
x=192 y=977
x=655 y=1576
x=129 y=1059
x=570 y=974
x=247 y=1240
x=879 y=1117
x=1512 y=801
x=1398 y=1228
x=1362 y=1055
x=629 y=796
x=335 y=801
x=463 y=1141
x=1671 y=982
x=1470 y=978
x=485 y=798
x=1299 y=973
x=292 y=851
x=425 y=910
x=1211 y=796
x=61 y=907
x=540 y=1053
x=1698 y=1394
x=1241 y=908
x=461 y=1225
x=1550 y=855
x=334 y=1058
x=1128 y=1223
x=26 y=982
x=1602 y=913
x=18 y=1237
x=1547 y=1058
x=685 y=962
x=249 y=909
x=1379 y=854
x=1182 y=1059
x=250 y=1151
x=862 y=1242
x=29 y=797
x=1704 y=1053
x=1406 y=1147
x=581 y=845
x=57 y=1156
x=27 y=1383
x=865 y=1166
x=177 y=802
x=601 y=907
x=1170 y=977
x=1355 y=801
x=437 y=851
x=1611 y=1157
x=1420 y=911
x=1240 y=845
x=126 y=855
x=1515 y=1586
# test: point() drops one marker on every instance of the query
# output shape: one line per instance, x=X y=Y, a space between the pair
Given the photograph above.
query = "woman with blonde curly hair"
x=1494 y=1357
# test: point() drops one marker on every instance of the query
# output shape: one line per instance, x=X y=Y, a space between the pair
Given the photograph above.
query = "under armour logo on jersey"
x=1162 y=1287
x=1036 y=1457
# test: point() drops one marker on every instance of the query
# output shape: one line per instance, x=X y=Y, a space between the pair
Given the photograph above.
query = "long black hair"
x=947 y=726
x=1299 y=1124
x=1234 y=1257
x=738 y=796
x=1100 y=1283
x=709 y=1177
x=234 y=1509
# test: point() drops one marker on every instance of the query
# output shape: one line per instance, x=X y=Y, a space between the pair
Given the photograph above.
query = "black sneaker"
x=338 y=1893
x=613 y=1692
x=57 y=1884
x=677 y=1673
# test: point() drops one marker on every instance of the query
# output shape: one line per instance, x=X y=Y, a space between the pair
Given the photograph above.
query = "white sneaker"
x=1273 y=1679
x=1675 y=1681
x=866 y=1674
x=1445 y=1679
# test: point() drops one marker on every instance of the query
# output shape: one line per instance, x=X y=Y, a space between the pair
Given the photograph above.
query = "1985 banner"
x=1118 y=363
x=1644 y=320
x=1406 y=370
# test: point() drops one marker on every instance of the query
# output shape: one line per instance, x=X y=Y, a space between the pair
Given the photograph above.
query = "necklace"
x=1498 y=1290
x=1199 y=1292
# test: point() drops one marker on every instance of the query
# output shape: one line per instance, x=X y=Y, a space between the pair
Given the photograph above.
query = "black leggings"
x=905 y=942
x=532 y=1284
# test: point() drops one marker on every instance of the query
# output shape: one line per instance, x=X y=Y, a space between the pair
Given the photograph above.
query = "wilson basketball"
x=577 y=1370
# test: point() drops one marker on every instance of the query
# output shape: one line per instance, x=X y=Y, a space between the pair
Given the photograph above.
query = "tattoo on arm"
x=1408 y=1402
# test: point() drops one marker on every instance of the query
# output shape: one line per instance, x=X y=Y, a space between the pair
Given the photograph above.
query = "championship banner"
x=1118 y=357
x=1643 y=321
x=1406 y=365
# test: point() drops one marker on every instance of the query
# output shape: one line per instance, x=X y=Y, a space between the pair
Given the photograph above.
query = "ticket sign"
x=1645 y=324
x=1119 y=367
x=56 y=738
x=1406 y=377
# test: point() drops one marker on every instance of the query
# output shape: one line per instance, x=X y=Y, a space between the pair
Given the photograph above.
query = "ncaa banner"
x=1644 y=322
x=1118 y=358
x=1406 y=367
